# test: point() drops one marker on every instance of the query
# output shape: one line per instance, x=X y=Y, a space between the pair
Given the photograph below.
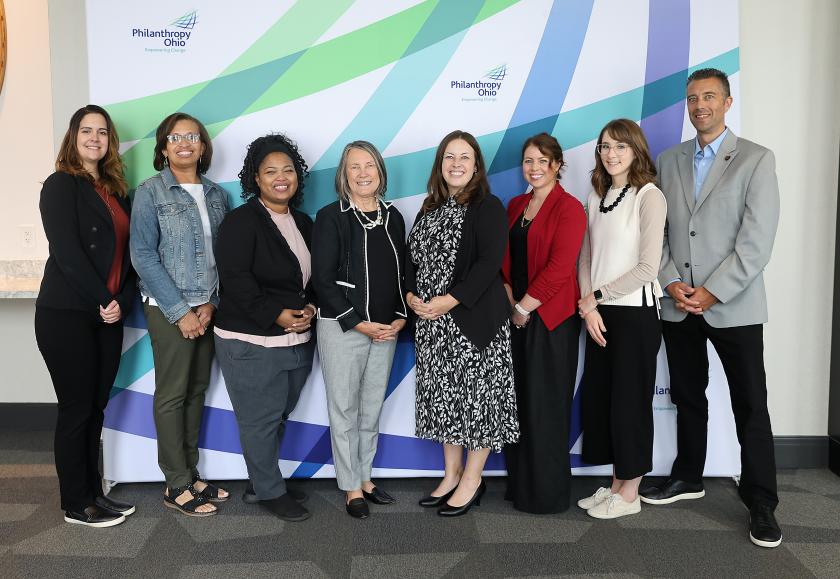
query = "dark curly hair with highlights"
x=257 y=151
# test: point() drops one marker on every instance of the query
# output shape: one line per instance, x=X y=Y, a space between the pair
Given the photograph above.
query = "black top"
x=351 y=280
x=476 y=279
x=82 y=243
x=519 y=259
x=259 y=274
x=382 y=275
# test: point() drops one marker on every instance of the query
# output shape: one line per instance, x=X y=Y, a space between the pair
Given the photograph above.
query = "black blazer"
x=339 y=262
x=476 y=280
x=259 y=274
x=81 y=239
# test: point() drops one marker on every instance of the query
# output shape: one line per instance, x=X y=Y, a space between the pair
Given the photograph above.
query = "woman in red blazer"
x=546 y=227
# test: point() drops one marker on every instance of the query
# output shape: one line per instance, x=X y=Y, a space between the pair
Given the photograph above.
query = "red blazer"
x=554 y=240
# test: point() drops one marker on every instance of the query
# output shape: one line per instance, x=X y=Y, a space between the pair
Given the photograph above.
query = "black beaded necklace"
x=614 y=203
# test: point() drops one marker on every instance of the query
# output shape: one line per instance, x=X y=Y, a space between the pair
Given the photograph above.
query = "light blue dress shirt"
x=703 y=159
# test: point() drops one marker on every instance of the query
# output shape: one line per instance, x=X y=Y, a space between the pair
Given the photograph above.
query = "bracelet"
x=521 y=310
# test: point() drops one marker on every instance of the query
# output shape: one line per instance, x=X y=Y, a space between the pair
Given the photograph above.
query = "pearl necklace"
x=614 y=203
x=369 y=223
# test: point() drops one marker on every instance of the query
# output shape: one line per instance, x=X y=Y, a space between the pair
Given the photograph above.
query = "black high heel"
x=450 y=511
x=433 y=501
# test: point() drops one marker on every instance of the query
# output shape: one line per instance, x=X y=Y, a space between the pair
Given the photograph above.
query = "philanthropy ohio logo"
x=172 y=38
x=485 y=89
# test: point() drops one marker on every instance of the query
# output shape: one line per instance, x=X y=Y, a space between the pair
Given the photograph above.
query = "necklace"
x=525 y=221
x=614 y=203
x=104 y=196
x=369 y=223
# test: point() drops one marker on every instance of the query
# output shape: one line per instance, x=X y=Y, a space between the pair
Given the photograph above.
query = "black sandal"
x=188 y=508
x=211 y=491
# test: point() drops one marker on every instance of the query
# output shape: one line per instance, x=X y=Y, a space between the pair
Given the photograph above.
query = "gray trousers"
x=356 y=371
x=264 y=385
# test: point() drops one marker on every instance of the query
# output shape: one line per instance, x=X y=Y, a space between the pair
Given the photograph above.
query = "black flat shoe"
x=94 y=516
x=379 y=497
x=450 y=511
x=671 y=491
x=115 y=506
x=358 y=508
x=764 y=530
x=433 y=501
x=286 y=508
x=250 y=497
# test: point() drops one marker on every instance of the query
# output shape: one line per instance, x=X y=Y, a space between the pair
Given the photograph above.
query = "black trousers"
x=544 y=369
x=82 y=354
x=618 y=384
x=741 y=352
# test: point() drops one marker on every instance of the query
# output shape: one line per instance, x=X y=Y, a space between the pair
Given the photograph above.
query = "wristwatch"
x=599 y=297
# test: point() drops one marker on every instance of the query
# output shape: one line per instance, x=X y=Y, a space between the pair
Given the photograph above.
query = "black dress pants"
x=82 y=354
x=544 y=367
x=741 y=352
x=618 y=383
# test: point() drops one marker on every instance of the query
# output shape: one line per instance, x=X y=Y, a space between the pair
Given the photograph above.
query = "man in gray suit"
x=723 y=209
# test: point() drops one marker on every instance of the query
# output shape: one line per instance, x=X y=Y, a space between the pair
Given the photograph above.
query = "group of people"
x=495 y=300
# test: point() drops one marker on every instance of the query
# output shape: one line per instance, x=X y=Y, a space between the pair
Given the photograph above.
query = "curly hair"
x=257 y=151
x=642 y=170
x=111 y=167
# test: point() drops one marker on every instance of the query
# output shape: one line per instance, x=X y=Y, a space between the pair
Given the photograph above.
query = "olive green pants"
x=182 y=374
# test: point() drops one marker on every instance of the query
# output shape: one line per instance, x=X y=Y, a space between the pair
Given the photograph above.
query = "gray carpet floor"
x=703 y=538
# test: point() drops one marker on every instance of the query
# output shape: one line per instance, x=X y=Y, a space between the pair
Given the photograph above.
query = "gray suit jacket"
x=724 y=240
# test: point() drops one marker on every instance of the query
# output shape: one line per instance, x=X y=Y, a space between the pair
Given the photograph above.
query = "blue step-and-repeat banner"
x=400 y=74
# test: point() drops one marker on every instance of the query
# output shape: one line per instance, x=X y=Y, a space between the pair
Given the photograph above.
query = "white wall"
x=26 y=127
x=789 y=85
x=790 y=76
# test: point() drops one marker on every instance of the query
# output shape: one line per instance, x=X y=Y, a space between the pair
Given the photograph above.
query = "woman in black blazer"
x=464 y=387
x=262 y=333
x=87 y=289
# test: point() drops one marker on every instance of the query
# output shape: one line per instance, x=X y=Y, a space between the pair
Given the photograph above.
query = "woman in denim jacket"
x=173 y=231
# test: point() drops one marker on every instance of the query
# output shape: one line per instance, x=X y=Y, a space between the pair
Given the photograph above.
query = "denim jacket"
x=167 y=242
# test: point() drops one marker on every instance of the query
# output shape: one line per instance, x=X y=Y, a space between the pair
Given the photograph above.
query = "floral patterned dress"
x=464 y=395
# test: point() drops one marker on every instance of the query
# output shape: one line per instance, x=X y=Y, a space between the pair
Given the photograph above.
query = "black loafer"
x=115 y=506
x=94 y=516
x=250 y=497
x=671 y=491
x=433 y=501
x=379 y=497
x=764 y=530
x=286 y=508
x=358 y=508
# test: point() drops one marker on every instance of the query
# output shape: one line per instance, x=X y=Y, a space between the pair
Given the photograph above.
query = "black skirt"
x=545 y=367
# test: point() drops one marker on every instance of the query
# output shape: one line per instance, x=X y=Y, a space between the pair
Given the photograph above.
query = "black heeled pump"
x=449 y=511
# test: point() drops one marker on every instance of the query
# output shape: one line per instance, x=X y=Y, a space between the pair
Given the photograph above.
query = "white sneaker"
x=599 y=497
x=615 y=506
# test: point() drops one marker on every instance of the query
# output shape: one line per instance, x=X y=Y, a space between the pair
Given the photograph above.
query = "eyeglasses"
x=618 y=148
x=175 y=138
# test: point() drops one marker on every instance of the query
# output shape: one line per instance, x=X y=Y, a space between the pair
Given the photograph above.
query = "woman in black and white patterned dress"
x=465 y=395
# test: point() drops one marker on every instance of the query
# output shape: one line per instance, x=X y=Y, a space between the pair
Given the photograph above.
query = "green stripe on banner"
x=336 y=61
x=135 y=362
x=295 y=31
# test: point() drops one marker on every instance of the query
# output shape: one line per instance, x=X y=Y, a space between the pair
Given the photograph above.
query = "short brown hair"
x=342 y=185
x=111 y=168
x=478 y=187
x=642 y=171
x=165 y=127
x=548 y=146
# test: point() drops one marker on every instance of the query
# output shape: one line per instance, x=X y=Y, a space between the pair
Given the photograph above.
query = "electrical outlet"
x=27 y=236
